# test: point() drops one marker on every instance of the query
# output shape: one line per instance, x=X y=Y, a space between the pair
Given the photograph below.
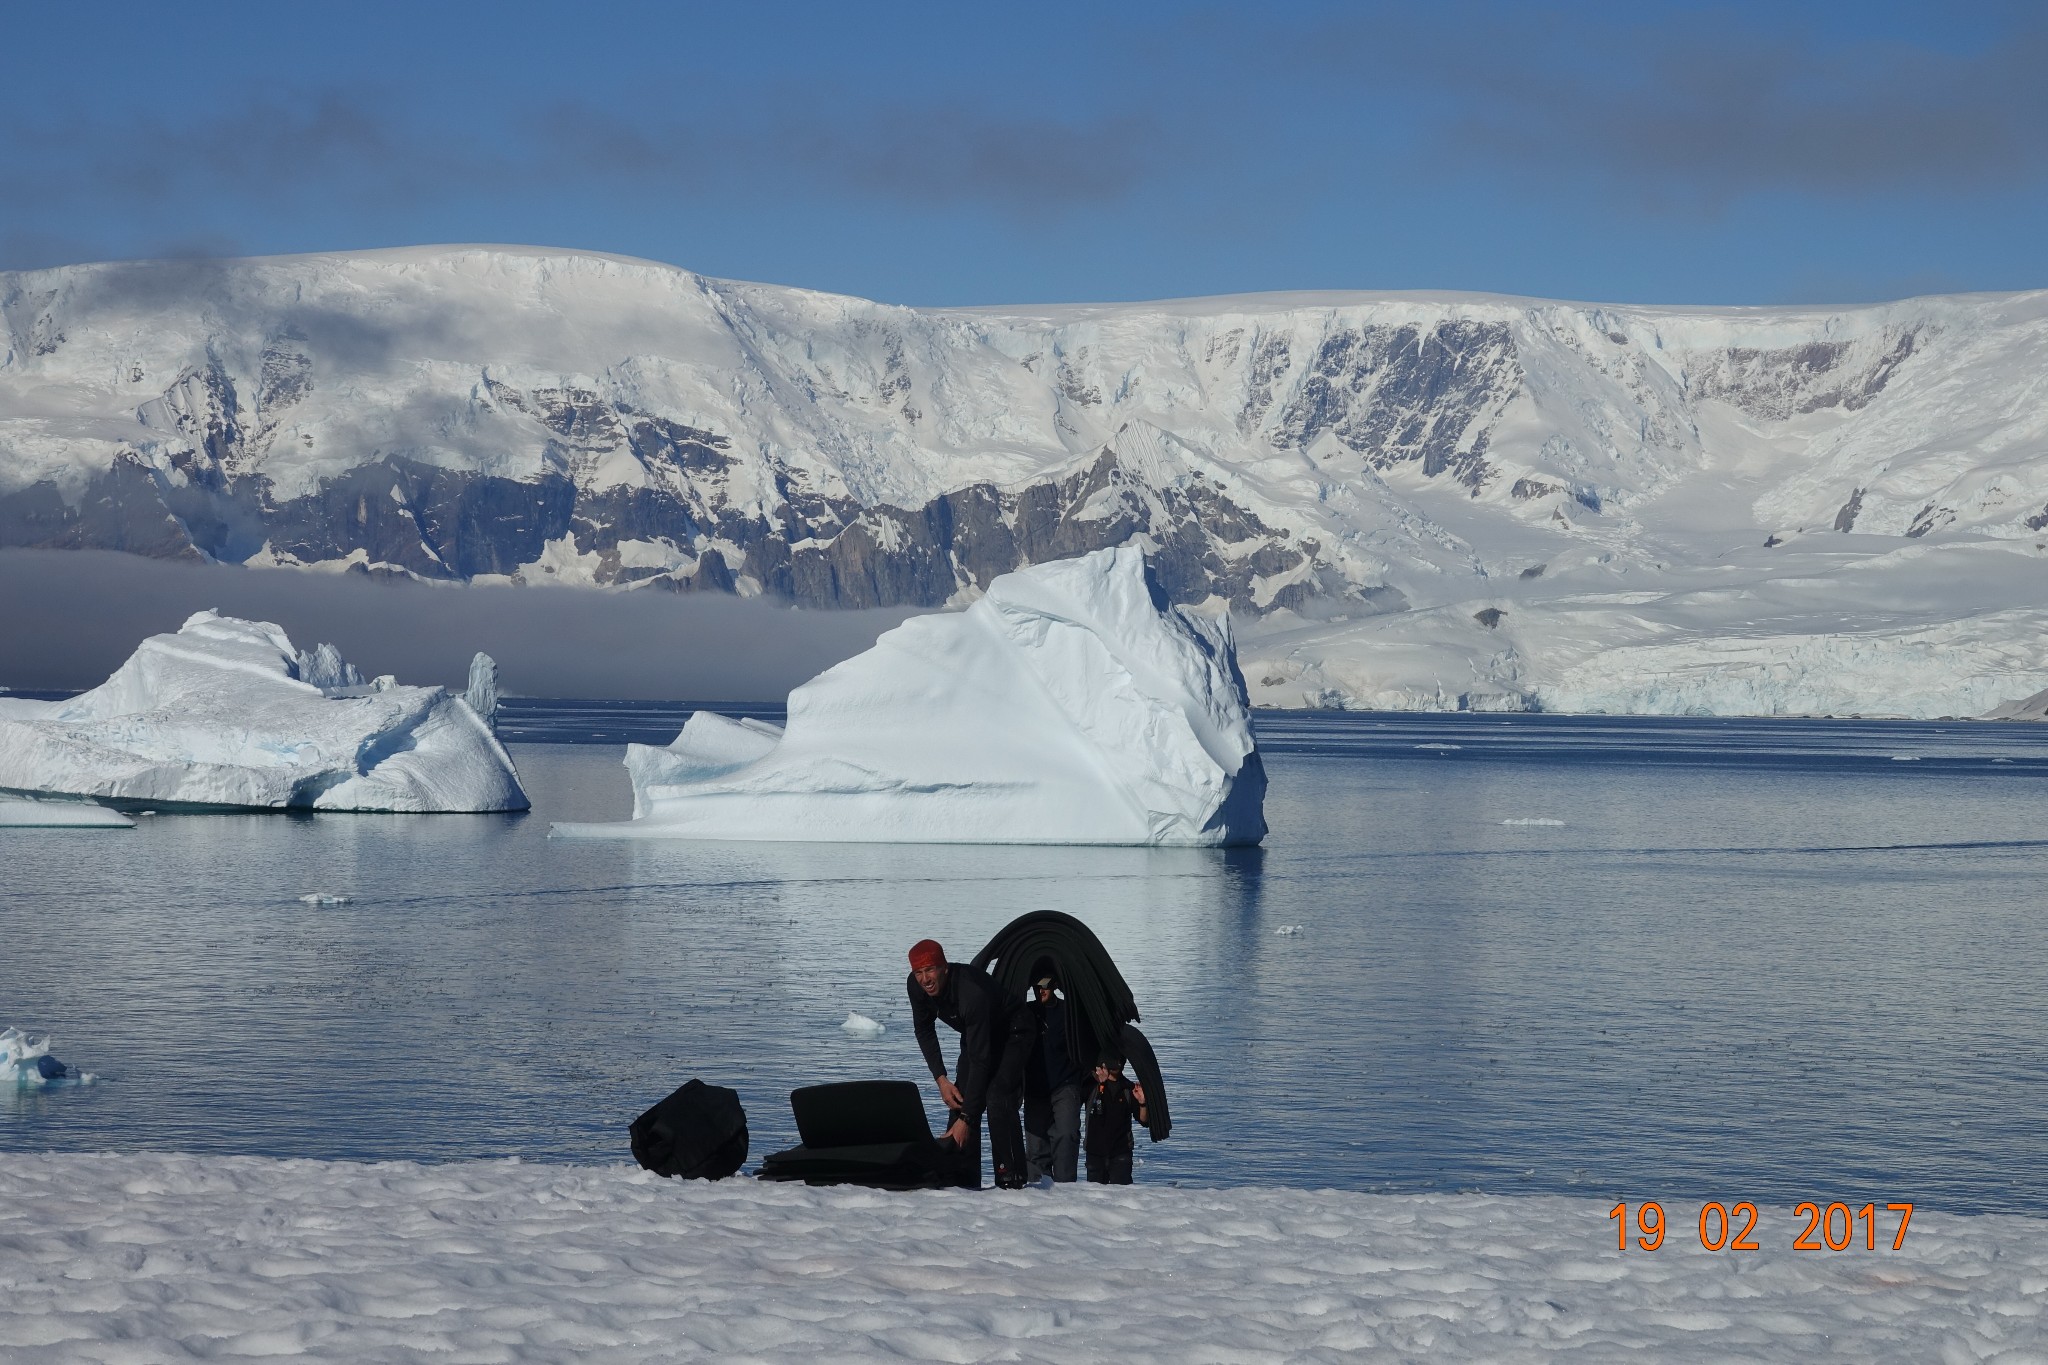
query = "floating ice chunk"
x=320 y=898
x=1905 y=758
x=25 y=813
x=1070 y=705
x=26 y=1062
x=1288 y=930
x=860 y=1026
x=1533 y=820
x=218 y=715
x=1441 y=748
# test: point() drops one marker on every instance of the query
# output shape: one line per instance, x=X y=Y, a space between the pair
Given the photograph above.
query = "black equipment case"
x=869 y=1133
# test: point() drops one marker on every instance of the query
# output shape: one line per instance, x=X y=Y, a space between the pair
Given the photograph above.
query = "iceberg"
x=225 y=714
x=26 y=1062
x=1072 y=704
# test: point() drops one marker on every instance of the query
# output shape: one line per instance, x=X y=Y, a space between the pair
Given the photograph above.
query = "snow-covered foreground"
x=149 y=1258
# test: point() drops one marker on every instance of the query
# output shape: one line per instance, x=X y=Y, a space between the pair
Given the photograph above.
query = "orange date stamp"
x=1724 y=1227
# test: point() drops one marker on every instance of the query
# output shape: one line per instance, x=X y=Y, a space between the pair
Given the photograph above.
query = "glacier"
x=1071 y=704
x=1412 y=500
x=226 y=714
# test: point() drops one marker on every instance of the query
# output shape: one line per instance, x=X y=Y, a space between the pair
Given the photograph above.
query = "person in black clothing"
x=996 y=1037
x=1113 y=1106
x=1053 y=1087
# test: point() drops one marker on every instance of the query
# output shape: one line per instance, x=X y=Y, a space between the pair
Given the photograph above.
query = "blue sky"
x=958 y=154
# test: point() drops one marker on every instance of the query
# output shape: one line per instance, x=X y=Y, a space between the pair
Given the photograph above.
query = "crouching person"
x=996 y=1038
x=1113 y=1106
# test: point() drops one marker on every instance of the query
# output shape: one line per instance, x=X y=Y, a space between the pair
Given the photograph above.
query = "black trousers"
x=1109 y=1168
x=1005 y=1099
x=1052 y=1132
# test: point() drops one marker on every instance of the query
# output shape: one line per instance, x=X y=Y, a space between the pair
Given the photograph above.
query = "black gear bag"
x=698 y=1133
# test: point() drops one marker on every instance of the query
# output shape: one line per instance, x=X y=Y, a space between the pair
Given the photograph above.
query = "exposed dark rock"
x=1397 y=394
x=1488 y=616
x=1845 y=520
x=123 y=509
x=1799 y=379
x=1932 y=518
x=397 y=516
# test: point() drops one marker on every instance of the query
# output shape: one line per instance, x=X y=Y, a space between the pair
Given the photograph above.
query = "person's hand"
x=1137 y=1092
x=950 y=1093
x=958 y=1133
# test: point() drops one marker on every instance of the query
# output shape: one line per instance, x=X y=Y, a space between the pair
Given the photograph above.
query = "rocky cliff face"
x=511 y=415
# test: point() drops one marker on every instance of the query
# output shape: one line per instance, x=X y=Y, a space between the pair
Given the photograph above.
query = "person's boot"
x=1007 y=1179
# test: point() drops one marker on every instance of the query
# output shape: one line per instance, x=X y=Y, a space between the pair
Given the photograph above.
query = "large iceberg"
x=1070 y=705
x=226 y=714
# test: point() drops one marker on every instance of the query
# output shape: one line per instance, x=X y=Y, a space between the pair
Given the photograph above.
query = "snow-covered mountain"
x=1409 y=500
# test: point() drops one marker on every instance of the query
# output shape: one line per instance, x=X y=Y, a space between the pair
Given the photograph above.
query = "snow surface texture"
x=22 y=813
x=1070 y=705
x=222 y=715
x=1418 y=500
x=26 y=1064
x=145 y=1258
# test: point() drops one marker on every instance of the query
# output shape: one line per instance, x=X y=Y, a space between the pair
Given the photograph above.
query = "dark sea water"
x=1768 y=960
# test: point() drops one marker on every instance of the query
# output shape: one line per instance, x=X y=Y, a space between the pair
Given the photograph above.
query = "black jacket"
x=1112 y=1109
x=1054 y=1065
x=972 y=1004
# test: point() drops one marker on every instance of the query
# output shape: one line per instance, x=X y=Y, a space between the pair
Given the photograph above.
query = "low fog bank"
x=69 y=617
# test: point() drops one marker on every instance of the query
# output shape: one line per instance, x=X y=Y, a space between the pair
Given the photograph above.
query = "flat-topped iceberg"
x=1070 y=705
x=226 y=714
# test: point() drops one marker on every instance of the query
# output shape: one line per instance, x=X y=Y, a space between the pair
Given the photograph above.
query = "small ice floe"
x=321 y=898
x=1905 y=758
x=1441 y=748
x=28 y=813
x=1288 y=930
x=26 y=1062
x=860 y=1026
x=1534 y=820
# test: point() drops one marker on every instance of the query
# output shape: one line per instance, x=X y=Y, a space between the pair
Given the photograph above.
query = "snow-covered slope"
x=1366 y=479
x=1070 y=705
x=226 y=714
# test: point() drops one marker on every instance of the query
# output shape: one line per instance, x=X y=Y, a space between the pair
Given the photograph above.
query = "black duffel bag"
x=698 y=1133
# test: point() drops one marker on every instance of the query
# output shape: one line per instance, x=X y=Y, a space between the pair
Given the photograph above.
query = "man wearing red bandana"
x=996 y=1037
